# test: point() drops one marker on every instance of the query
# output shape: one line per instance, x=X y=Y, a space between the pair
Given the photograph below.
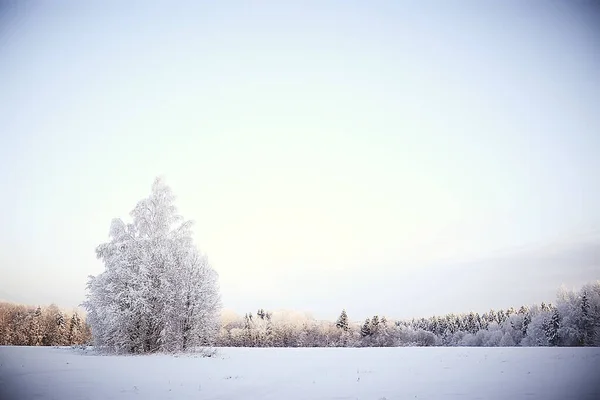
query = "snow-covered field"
x=288 y=374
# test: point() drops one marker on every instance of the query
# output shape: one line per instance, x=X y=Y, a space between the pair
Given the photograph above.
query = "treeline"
x=22 y=325
x=573 y=321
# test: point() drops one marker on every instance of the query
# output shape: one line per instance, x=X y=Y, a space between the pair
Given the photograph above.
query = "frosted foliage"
x=158 y=293
x=537 y=330
x=493 y=338
x=507 y=341
x=569 y=308
x=514 y=327
x=579 y=316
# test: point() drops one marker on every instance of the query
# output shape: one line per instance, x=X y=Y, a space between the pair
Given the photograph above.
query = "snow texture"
x=28 y=373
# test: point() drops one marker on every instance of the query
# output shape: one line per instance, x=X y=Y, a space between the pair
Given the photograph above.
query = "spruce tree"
x=502 y=316
x=552 y=328
x=74 y=336
x=526 y=321
x=471 y=323
x=35 y=338
x=342 y=321
x=587 y=331
x=365 y=330
x=374 y=328
x=61 y=329
x=523 y=310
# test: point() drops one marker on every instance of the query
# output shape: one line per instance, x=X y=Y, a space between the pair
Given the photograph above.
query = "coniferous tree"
x=54 y=327
x=269 y=329
x=522 y=310
x=61 y=329
x=35 y=329
x=261 y=314
x=342 y=321
x=526 y=321
x=248 y=325
x=552 y=329
x=471 y=323
x=365 y=330
x=75 y=329
x=586 y=321
x=374 y=327
x=502 y=316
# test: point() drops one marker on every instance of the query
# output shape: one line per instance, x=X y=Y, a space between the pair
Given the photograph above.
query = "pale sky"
x=382 y=157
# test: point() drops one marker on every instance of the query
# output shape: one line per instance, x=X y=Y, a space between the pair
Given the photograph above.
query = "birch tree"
x=158 y=292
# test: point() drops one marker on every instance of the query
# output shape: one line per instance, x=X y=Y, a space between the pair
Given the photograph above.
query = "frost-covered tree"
x=365 y=330
x=158 y=292
x=472 y=323
x=507 y=340
x=259 y=330
x=537 y=328
x=514 y=327
x=35 y=327
x=374 y=329
x=424 y=338
x=552 y=328
x=586 y=325
x=75 y=329
x=261 y=313
x=569 y=309
x=54 y=326
x=385 y=337
x=342 y=321
x=526 y=321
x=493 y=335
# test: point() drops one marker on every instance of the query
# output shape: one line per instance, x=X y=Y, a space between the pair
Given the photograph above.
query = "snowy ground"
x=28 y=373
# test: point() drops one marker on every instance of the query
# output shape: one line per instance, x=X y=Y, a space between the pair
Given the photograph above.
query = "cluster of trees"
x=36 y=326
x=573 y=321
x=157 y=293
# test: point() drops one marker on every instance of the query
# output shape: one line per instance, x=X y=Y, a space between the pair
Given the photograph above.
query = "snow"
x=304 y=373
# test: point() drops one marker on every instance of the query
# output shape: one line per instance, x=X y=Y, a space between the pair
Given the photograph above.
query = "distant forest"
x=36 y=326
x=573 y=321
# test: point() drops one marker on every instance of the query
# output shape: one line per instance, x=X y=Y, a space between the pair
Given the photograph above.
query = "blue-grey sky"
x=400 y=158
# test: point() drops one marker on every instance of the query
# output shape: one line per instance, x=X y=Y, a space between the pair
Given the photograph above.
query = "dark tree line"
x=22 y=325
